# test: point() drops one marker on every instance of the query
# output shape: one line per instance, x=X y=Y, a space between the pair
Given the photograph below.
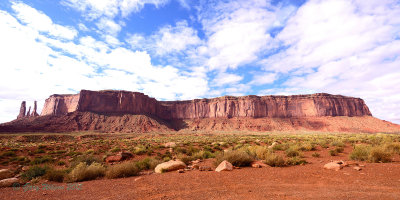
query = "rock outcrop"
x=34 y=112
x=124 y=102
x=28 y=114
x=22 y=110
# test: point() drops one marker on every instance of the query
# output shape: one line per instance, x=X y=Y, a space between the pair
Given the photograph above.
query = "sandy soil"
x=311 y=181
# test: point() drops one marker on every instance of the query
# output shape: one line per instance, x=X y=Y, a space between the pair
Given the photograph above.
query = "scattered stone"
x=242 y=141
x=361 y=165
x=258 y=141
x=170 y=166
x=333 y=166
x=272 y=145
x=195 y=166
x=181 y=171
x=136 y=179
x=255 y=165
x=236 y=167
x=259 y=163
x=224 y=166
x=145 y=172
x=205 y=168
x=170 y=144
x=349 y=163
x=119 y=157
x=8 y=182
x=357 y=168
x=5 y=173
x=196 y=161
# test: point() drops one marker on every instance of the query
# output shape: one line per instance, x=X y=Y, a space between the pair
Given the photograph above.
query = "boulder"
x=224 y=166
x=5 y=173
x=9 y=182
x=170 y=145
x=121 y=156
x=333 y=166
x=357 y=168
x=169 y=166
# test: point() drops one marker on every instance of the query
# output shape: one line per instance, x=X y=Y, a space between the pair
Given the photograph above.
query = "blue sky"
x=185 y=49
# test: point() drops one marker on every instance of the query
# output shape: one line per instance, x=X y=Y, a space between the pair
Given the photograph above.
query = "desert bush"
x=274 y=160
x=203 y=155
x=295 y=161
x=33 y=172
x=281 y=147
x=87 y=159
x=308 y=146
x=115 y=149
x=125 y=169
x=185 y=158
x=292 y=152
x=379 y=154
x=316 y=155
x=147 y=163
x=393 y=147
x=83 y=172
x=338 y=143
x=237 y=158
x=339 y=149
x=360 y=152
x=40 y=160
x=9 y=154
x=55 y=175
x=333 y=152
x=139 y=150
x=259 y=152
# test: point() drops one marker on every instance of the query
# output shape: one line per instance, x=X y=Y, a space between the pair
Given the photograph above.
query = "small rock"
x=8 y=182
x=273 y=145
x=357 y=168
x=361 y=165
x=25 y=168
x=242 y=141
x=259 y=163
x=195 y=166
x=224 y=166
x=236 y=167
x=333 y=166
x=255 y=165
x=170 y=145
x=5 y=173
x=205 y=168
x=181 y=171
x=119 y=157
x=136 y=179
x=196 y=161
x=169 y=166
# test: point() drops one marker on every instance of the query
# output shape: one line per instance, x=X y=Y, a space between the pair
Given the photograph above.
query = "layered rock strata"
x=125 y=102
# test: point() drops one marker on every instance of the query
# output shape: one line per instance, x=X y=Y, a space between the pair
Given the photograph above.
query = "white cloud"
x=168 y=39
x=41 y=22
x=238 y=31
x=351 y=48
x=108 y=26
x=226 y=79
x=264 y=78
x=93 y=9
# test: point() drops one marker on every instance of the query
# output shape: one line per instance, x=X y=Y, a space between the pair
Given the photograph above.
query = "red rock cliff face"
x=226 y=107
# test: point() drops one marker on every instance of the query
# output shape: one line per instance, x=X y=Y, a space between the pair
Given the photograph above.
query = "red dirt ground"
x=310 y=181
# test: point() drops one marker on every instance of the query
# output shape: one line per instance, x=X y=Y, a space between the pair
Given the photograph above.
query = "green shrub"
x=139 y=150
x=393 y=147
x=295 y=161
x=125 y=169
x=338 y=143
x=360 y=152
x=55 y=175
x=87 y=159
x=379 y=154
x=275 y=160
x=260 y=152
x=237 y=158
x=83 y=172
x=281 y=147
x=40 y=160
x=292 y=152
x=339 y=149
x=306 y=147
x=316 y=155
x=147 y=163
x=203 y=155
x=39 y=151
x=115 y=149
x=185 y=158
x=333 y=152
x=33 y=172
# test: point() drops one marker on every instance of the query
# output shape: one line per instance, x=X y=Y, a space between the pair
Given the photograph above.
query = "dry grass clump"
x=83 y=172
x=371 y=154
x=236 y=157
x=295 y=161
x=275 y=160
x=55 y=175
x=122 y=170
x=147 y=163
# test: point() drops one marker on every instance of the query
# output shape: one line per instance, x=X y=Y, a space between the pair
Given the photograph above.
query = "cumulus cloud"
x=351 y=48
x=41 y=22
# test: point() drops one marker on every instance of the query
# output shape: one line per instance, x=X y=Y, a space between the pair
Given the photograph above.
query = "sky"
x=186 y=49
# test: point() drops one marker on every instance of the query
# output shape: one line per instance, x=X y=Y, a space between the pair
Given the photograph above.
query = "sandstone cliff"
x=124 y=102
